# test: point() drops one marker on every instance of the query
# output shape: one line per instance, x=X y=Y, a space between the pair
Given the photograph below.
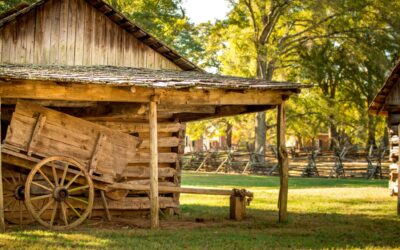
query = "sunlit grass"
x=324 y=213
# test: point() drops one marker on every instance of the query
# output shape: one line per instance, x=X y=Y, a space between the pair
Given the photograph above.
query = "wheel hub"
x=60 y=194
x=19 y=193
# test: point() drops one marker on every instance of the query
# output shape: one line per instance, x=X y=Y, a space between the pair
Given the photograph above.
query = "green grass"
x=324 y=213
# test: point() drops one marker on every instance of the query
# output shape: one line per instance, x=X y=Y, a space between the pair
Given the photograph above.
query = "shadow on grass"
x=259 y=231
x=247 y=181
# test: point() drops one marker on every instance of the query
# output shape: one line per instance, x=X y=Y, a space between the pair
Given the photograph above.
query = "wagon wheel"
x=15 y=211
x=67 y=191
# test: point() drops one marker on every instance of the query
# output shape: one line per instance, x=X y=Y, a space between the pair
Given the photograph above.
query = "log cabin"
x=387 y=103
x=86 y=59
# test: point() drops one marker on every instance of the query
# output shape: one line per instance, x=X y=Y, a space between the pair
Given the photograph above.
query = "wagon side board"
x=45 y=132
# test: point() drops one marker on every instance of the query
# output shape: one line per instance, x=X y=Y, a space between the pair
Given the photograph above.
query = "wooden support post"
x=283 y=164
x=237 y=207
x=2 y=223
x=105 y=205
x=154 y=205
x=398 y=189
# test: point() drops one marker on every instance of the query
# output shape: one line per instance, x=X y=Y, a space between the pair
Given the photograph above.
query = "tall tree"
x=276 y=30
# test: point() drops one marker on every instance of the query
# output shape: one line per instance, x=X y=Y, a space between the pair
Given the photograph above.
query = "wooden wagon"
x=64 y=163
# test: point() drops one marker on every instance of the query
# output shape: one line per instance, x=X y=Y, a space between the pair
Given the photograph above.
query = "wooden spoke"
x=6 y=180
x=78 y=199
x=53 y=214
x=20 y=205
x=8 y=195
x=35 y=198
x=53 y=167
x=73 y=179
x=64 y=213
x=46 y=178
x=66 y=165
x=41 y=186
x=51 y=201
x=9 y=203
x=12 y=177
x=75 y=189
x=73 y=209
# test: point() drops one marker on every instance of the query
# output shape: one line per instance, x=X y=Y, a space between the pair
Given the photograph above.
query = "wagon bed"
x=44 y=132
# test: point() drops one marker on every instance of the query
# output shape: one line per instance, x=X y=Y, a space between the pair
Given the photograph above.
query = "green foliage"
x=345 y=48
x=166 y=20
x=8 y=4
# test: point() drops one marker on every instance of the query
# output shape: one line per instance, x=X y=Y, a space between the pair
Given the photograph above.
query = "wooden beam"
x=2 y=223
x=222 y=111
x=139 y=127
x=154 y=204
x=54 y=103
x=283 y=163
x=173 y=189
x=49 y=90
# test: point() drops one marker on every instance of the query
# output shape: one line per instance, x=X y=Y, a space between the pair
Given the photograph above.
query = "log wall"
x=170 y=146
x=72 y=32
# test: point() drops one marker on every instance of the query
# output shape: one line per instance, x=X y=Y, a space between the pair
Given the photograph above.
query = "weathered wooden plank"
x=1 y=44
x=134 y=203
x=154 y=159
x=110 y=43
x=88 y=34
x=46 y=39
x=173 y=189
x=63 y=36
x=166 y=142
x=5 y=37
x=143 y=157
x=144 y=172
x=55 y=10
x=39 y=35
x=20 y=39
x=2 y=223
x=131 y=127
x=37 y=129
x=71 y=36
x=99 y=39
x=30 y=37
x=87 y=92
x=80 y=32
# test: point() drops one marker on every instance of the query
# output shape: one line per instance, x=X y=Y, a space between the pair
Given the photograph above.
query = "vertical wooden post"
x=154 y=205
x=398 y=176
x=2 y=223
x=283 y=164
x=398 y=189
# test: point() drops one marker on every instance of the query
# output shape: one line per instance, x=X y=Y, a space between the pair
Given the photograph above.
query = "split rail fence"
x=340 y=164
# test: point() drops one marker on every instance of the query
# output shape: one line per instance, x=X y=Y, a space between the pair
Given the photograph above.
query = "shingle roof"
x=125 y=76
x=378 y=104
x=125 y=24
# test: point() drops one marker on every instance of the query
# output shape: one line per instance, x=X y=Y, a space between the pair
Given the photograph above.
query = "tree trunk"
x=333 y=135
x=263 y=72
x=228 y=134
x=371 y=140
x=260 y=132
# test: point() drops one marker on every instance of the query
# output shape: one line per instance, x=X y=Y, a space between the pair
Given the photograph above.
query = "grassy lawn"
x=324 y=213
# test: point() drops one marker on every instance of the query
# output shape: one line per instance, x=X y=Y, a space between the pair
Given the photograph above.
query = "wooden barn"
x=90 y=98
x=387 y=103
